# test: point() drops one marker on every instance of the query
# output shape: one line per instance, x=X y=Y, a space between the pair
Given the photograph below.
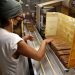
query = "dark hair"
x=3 y=22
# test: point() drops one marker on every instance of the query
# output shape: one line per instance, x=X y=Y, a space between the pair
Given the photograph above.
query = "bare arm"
x=30 y=52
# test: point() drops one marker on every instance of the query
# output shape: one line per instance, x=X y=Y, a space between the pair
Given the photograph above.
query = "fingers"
x=30 y=37
x=48 y=40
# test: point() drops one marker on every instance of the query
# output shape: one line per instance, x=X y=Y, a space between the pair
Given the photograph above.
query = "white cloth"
x=8 y=45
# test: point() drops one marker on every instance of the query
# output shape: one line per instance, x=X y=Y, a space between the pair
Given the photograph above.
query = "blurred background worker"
x=13 y=48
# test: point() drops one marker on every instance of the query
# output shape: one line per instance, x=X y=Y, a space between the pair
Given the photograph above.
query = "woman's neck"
x=9 y=28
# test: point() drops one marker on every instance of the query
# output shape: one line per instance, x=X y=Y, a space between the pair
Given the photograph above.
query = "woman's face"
x=16 y=20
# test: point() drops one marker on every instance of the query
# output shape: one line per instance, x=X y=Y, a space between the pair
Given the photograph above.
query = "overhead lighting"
x=27 y=5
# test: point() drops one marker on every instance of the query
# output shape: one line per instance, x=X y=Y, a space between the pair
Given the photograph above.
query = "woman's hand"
x=28 y=37
x=48 y=40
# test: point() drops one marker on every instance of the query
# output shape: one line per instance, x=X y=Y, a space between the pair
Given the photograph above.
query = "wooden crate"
x=61 y=28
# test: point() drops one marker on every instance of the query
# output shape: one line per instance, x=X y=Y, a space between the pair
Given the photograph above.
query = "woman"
x=12 y=47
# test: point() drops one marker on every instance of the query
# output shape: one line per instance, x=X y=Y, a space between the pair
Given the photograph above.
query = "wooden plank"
x=59 y=43
x=71 y=62
x=64 y=59
x=63 y=52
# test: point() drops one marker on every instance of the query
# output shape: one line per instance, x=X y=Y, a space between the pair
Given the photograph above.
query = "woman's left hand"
x=28 y=37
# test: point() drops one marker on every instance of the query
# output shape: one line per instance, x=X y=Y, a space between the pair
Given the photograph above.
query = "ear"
x=10 y=21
